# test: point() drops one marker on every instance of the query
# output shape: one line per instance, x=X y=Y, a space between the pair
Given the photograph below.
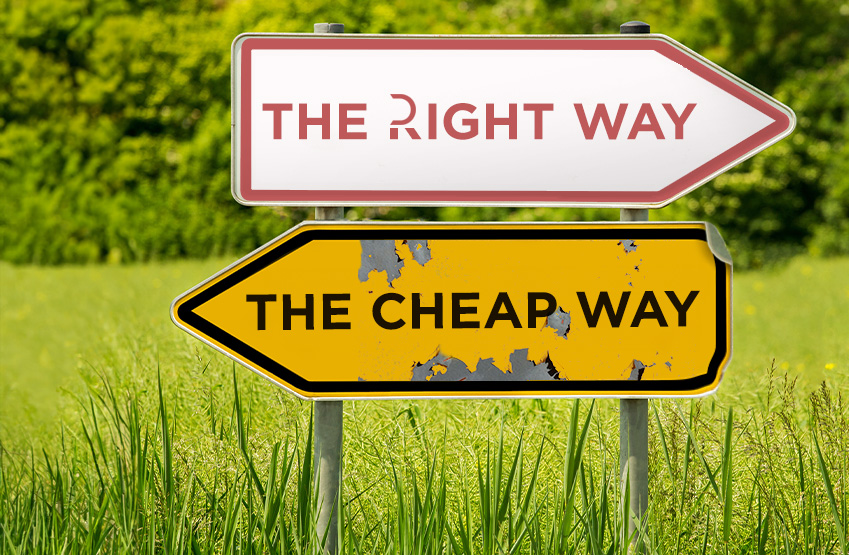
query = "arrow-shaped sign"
x=618 y=120
x=475 y=310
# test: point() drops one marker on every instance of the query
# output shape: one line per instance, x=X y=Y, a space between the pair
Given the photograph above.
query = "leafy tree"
x=114 y=133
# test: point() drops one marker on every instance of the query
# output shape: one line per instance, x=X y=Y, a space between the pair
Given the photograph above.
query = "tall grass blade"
x=662 y=436
x=167 y=453
x=727 y=479
x=841 y=534
x=710 y=474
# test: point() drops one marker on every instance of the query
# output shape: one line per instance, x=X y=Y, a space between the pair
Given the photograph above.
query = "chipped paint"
x=560 y=321
x=382 y=255
x=379 y=256
x=420 y=250
x=442 y=367
x=628 y=245
x=637 y=368
x=521 y=365
x=486 y=370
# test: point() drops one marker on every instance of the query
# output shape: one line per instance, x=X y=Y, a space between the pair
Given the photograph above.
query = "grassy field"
x=95 y=454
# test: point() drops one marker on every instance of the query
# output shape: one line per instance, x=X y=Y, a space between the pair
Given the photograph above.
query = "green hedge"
x=115 y=138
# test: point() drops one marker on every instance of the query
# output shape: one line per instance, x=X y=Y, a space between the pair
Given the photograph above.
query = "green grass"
x=95 y=452
x=797 y=314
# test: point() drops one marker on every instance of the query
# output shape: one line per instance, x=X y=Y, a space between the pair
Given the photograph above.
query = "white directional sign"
x=609 y=120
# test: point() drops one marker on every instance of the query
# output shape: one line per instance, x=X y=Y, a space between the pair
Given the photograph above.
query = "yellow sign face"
x=353 y=310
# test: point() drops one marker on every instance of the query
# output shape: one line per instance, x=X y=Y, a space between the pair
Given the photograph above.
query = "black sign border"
x=186 y=312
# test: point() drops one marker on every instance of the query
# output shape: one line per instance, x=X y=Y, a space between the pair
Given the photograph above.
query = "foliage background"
x=115 y=143
x=114 y=147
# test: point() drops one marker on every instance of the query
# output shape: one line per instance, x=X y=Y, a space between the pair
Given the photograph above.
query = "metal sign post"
x=634 y=432
x=328 y=418
x=634 y=413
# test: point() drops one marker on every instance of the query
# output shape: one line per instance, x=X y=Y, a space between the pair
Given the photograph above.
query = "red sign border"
x=782 y=124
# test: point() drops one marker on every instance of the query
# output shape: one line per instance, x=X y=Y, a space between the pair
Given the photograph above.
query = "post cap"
x=635 y=28
x=328 y=28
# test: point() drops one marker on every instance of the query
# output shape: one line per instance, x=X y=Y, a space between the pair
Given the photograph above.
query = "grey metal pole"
x=634 y=413
x=328 y=418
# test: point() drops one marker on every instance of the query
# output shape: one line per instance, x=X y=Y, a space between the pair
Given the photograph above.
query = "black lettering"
x=308 y=312
x=503 y=300
x=378 y=307
x=457 y=311
x=436 y=310
x=328 y=311
x=682 y=308
x=534 y=312
x=642 y=313
x=603 y=302
x=260 y=301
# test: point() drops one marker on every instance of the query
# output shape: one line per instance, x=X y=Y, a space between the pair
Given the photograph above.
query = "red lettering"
x=652 y=125
x=431 y=121
x=600 y=114
x=277 y=110
x=471 y=124
x=679 y=120
x=538 y=109
x=492 y=121
x=393 y=131
x=345 y=120
x=323 y=121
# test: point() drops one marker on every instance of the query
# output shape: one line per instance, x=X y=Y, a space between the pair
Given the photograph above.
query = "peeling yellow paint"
x=517 y=267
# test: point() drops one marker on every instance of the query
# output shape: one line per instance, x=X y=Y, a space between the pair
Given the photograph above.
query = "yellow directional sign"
x=352 y=310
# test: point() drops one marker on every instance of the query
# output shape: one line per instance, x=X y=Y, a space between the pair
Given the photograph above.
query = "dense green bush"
x=114 y=135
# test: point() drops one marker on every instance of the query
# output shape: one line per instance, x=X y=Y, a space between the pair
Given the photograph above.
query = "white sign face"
x=612 y=120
